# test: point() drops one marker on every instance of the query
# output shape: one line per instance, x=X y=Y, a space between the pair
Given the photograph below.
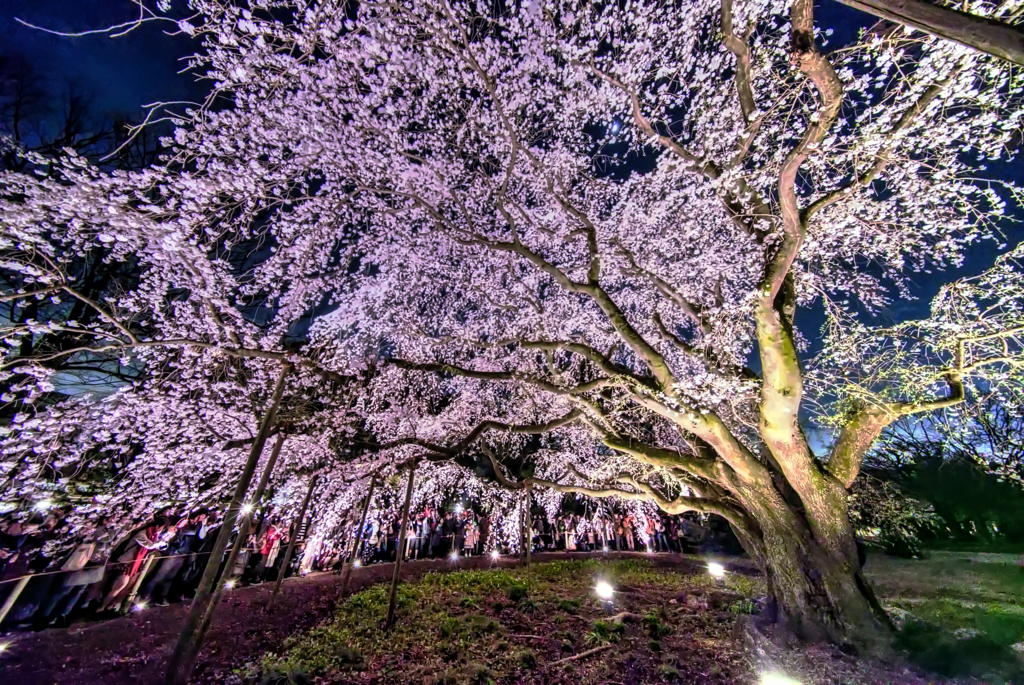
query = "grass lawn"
x=513 y=626
x=961 y=613
x=959 y=618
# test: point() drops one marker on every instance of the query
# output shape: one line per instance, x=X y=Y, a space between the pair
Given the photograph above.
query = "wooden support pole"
x=186 y=652
x=529 y=527
x=296 y=526
x=357 y=544
x=522 y=530
x=246 y=524
x=389 y=622
x=13 y=597
x=126 y=605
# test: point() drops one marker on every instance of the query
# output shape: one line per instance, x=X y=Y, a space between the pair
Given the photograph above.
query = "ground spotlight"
x=231 y=584
x=604 y=590
x=777 y=679
x=716 y=569
x=140 y=606
x=494 y=554
x=357 y=563
x=42 y=505
x=454 y=556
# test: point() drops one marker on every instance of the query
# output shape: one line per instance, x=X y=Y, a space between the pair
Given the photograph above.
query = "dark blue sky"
x=120 y=75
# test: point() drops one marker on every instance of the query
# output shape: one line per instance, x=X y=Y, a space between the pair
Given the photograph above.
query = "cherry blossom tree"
x=556 y=289
x=578 y=232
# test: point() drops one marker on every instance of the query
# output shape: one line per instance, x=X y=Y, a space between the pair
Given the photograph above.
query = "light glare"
x=246 y=508
x=716 y=569
x=494 y=554
x=357 y=563
x=777 y=679
x=454 y=556
x=43 y=505
x=604 y=590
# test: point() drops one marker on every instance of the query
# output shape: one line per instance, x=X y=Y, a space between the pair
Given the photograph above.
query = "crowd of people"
x=104 y=571
x=432 y=534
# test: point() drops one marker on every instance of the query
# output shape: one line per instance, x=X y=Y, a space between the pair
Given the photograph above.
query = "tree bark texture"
x=816 y=586
x=186 y=652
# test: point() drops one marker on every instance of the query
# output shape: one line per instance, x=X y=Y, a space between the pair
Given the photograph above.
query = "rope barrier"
x=113 y=563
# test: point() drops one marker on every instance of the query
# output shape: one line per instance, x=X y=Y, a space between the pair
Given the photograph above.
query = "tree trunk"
x=817 y=590
x=186 y=652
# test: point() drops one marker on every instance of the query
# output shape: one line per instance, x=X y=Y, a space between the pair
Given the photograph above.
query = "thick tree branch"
x=806 y=57
x=866 y=424
x=737 y=45
x=989 y=36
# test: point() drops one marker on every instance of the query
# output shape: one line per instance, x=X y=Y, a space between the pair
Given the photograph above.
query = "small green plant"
x=518 y=593
x=479 y=673
x=449 y=627
x=498 y=606
x=655 y=645
x=287 y=674
x=481 y=625
x=669 y=671
x=528 y=658
x=527 y=606
x=469 y=603
x=568 y=605
x=603 y=631
x=742 y=606
x=655 y=627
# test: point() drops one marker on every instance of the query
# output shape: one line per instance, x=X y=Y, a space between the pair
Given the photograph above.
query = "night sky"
x=119 y=75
